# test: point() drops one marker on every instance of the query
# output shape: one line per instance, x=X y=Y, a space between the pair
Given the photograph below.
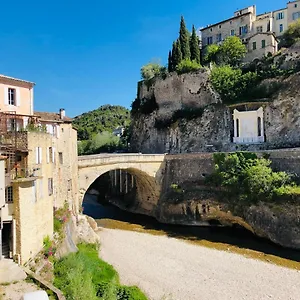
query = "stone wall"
x=34 y=218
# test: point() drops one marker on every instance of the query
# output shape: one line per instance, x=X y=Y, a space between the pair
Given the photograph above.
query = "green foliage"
x=194 y=46
x=152 y=70
x=211 y=53
x=105 y=118
x=83 y=275
x=232 y=50
x=170 y=62
x=291 y=35
x=49 y=249
x=231 y=84
x=184 y=38
x=61 y=217
x=176 y=54
x=187 y=66
x=101 y=142
x=249 y=178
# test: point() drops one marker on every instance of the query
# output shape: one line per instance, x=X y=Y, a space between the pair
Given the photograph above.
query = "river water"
x=237 y=240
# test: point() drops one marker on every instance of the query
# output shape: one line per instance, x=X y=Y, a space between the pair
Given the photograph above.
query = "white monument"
x=248 y=126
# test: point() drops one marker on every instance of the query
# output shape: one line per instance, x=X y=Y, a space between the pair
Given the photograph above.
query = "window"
x=259 y=133
x=11 y=96
x=281 y=28
x=296 y=15
x=50 y=155
x=219 y=37
x=38 y=155
x=263 y=43
x=60 y=156
x=50 y=186
x=280 y=16
x=9 y=195
x=296 y=5
x=211 y=29
x=209 y=40
x=232 y=32
x=254 y=45
x=220 y=26
x=11 y=124
x=259 y=29
x=243 y=30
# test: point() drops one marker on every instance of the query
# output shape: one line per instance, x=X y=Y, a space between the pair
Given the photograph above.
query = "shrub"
x=250 y=178
x=291 y=35
x=152 y=70
x=231 y=84
x=187 y=66
x=211 y=53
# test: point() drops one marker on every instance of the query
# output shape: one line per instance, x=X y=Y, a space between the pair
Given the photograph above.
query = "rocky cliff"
x=190 y=116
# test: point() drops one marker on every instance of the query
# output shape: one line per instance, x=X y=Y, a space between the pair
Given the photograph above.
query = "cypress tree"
x=184 y=40
x=170 y=62
x=194 y=46
x=177 y=55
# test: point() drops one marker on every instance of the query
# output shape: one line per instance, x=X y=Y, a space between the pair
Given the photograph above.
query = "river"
x=237 y=240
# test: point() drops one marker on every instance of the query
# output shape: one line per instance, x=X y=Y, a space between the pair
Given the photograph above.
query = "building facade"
x=260 y=33
x=40 y=169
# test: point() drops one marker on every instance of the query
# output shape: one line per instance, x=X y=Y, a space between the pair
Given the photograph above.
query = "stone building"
x=260 y=33
x=40 y=172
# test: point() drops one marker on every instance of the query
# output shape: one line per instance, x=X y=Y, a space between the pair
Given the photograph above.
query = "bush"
x=187 y=66
x=152 y=70
x=211 y=53
x=291 y=35
x=250 y=178
x=231 y=84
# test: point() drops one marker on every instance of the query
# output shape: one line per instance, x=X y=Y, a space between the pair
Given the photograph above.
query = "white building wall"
x=293 y=11
x=2 y=182
x=277 y=21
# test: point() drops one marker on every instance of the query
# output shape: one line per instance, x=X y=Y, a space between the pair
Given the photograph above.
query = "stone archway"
x=129 y=189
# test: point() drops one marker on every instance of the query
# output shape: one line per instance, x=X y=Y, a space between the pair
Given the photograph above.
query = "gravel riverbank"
x=169 y=269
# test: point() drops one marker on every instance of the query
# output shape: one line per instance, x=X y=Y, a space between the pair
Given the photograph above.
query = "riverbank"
x=168 y=268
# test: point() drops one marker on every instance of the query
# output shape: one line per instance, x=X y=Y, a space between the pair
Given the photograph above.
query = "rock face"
x=211 y=129
x=192 y=118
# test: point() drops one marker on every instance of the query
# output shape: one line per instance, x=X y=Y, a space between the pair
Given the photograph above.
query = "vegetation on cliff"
x=95 y=129
x=83 y=275
x=250 y=179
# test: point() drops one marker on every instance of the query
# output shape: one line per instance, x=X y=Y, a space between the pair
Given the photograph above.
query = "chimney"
x=62 y=113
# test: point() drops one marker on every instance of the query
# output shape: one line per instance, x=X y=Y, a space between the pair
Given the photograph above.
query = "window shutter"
x=40 y=154
x=57 y=131
x=47 y=154
x=25 y=122
x=5 y=95
x=53 y=154
x=18 y=98
x=36 y=155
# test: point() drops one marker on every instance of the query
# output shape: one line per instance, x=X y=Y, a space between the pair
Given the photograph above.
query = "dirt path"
x=167 y=268
x=15 y=291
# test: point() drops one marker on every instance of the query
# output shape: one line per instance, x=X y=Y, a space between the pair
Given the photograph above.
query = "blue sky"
x=83 y=54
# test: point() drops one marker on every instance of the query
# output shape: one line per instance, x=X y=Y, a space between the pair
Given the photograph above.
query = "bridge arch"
x=137 y=177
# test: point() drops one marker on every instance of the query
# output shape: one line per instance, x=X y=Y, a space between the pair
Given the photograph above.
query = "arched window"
x=237 y=127
x=259 y=126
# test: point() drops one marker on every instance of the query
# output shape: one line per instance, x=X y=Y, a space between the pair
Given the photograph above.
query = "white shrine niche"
x=248 y=126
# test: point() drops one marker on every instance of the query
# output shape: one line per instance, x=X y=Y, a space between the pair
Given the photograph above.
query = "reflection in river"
x=237 y=240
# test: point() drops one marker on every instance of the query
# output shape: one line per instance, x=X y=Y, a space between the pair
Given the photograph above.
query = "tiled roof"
x=48 y=116
x=16 y=79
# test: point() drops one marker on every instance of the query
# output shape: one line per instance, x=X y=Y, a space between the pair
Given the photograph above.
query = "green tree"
x=291 y=35
x=194 y=46
x=151 y=70
x=170 y=62
x=184 y=40
x=232 y=50
x=211 y=53
x=176 y=54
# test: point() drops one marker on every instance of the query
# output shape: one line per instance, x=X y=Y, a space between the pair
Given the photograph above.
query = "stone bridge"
x=123 y=172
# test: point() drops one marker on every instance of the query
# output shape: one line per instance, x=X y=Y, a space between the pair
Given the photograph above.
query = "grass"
x=83 y=275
